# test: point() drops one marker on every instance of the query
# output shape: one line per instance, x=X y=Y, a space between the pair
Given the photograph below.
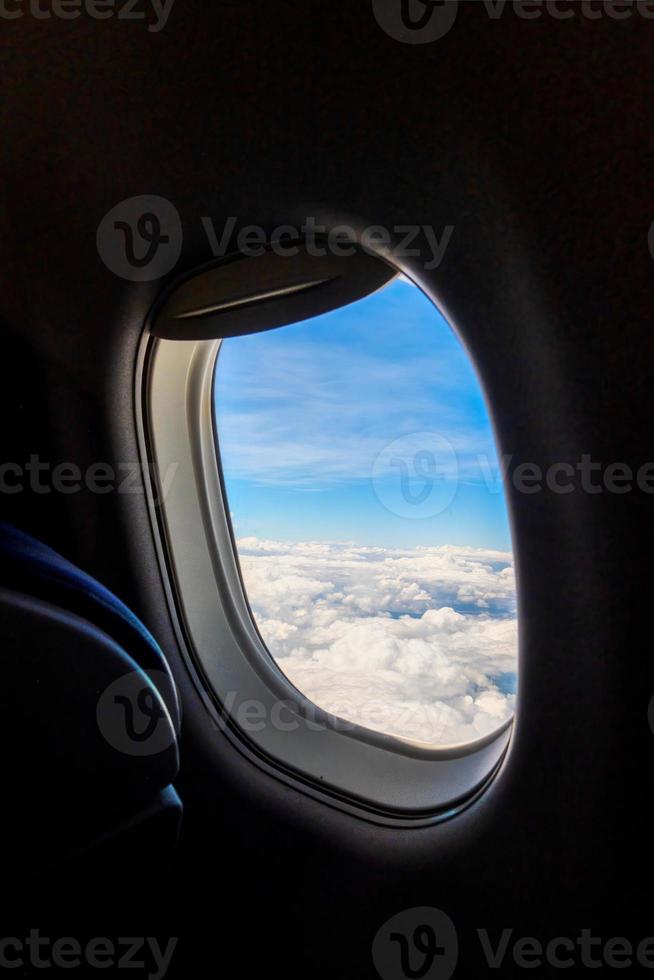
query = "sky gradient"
x=304 y=412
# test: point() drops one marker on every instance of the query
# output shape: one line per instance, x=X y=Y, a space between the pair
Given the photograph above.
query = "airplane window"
x=368 y=511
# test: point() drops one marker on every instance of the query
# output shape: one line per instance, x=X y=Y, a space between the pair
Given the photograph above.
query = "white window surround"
x=379 y=777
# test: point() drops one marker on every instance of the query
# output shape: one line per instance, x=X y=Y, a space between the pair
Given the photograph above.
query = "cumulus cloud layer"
x=420 y=643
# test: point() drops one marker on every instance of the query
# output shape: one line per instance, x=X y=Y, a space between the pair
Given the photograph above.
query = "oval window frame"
x=368 y=773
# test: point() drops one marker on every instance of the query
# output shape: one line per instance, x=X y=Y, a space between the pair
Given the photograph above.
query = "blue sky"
x=362 y=425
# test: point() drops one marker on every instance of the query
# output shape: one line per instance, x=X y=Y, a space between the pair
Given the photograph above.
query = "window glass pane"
x=370 y=520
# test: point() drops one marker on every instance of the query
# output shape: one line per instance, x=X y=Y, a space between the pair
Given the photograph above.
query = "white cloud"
x=417 y=642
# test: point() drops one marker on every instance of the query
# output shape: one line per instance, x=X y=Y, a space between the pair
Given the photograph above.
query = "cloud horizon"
x=419 y=643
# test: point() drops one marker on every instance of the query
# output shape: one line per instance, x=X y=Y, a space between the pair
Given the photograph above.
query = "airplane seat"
x=88 y=719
